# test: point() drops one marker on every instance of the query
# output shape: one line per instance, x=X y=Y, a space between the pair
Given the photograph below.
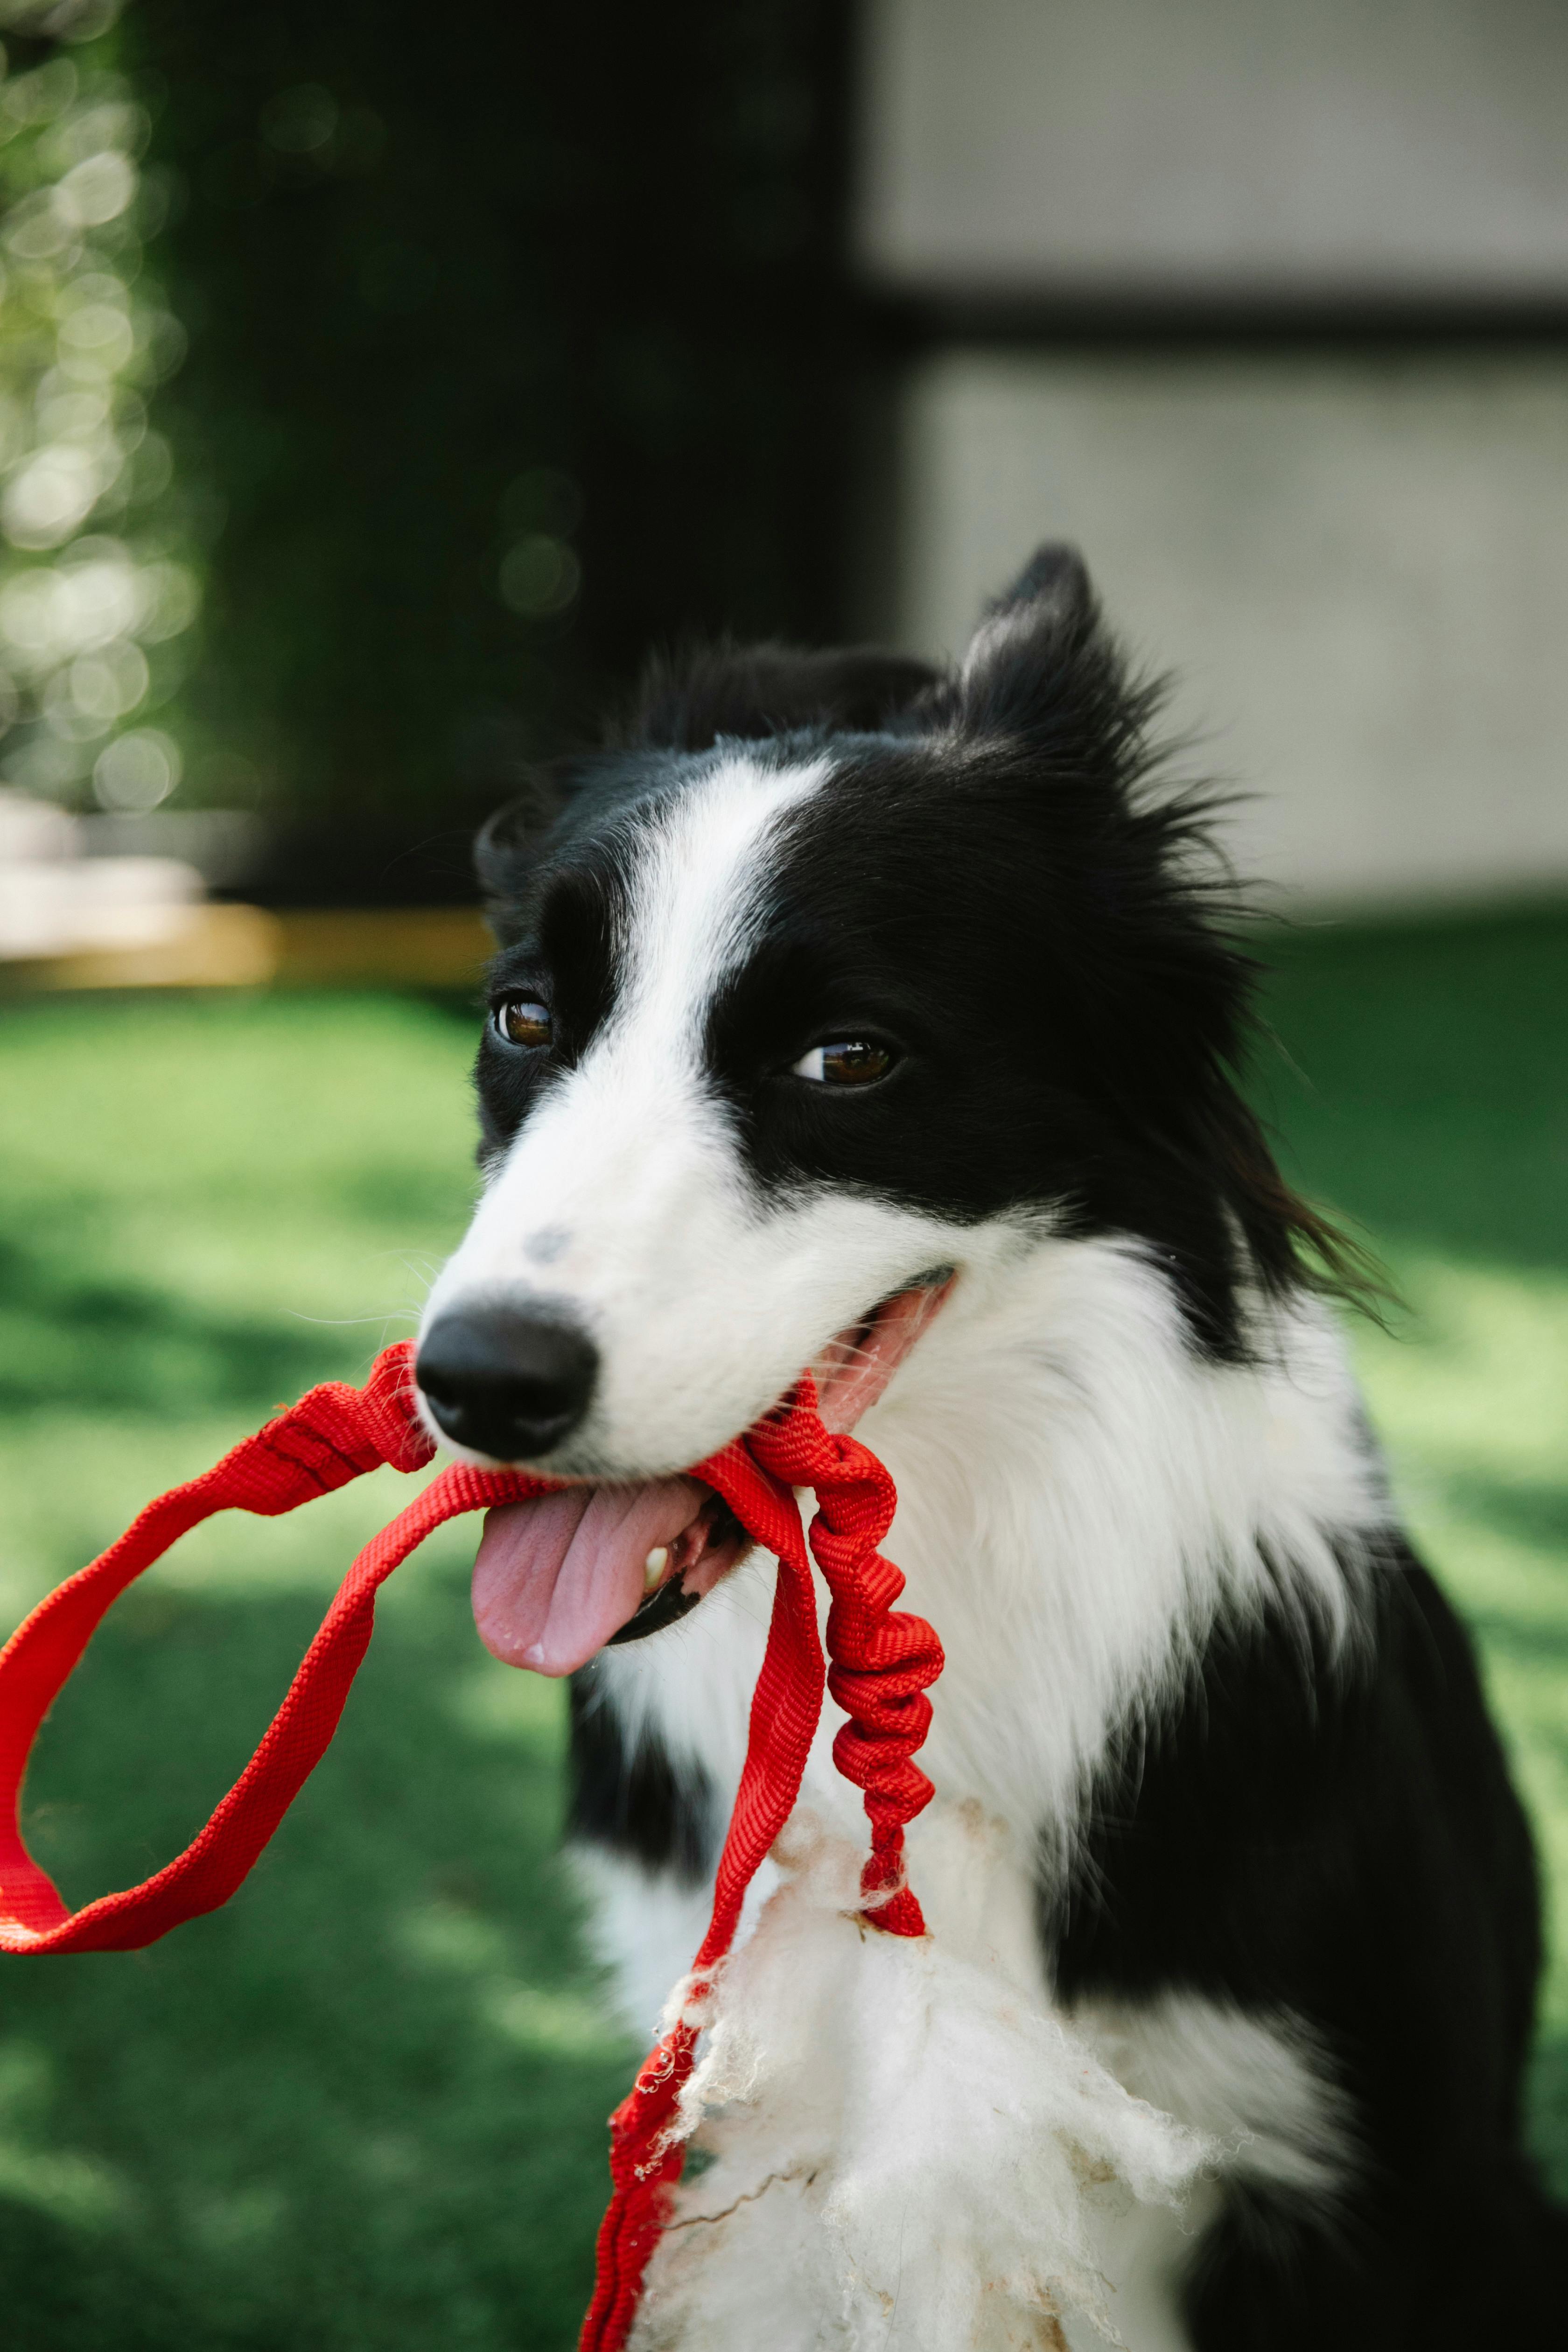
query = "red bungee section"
x=881 y=1663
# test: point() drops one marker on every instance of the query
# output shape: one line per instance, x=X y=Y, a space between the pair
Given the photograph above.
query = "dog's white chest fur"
x=1077 y=1496
x=905 y=2146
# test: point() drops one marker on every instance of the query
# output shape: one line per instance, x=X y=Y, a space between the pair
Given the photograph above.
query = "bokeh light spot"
x=539 y=575
x=137 y=771
x=96 y=190
x=300 y=122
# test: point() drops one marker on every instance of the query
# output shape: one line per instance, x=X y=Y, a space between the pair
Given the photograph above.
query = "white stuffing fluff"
x=903 y=2146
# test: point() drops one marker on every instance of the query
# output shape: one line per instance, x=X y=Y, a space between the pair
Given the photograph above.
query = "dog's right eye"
x=523 y=1021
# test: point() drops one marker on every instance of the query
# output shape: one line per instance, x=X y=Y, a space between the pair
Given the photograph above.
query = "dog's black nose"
x=508 y=1384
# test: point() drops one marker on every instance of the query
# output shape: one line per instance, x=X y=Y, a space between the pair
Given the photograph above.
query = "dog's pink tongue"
x=554 y=1578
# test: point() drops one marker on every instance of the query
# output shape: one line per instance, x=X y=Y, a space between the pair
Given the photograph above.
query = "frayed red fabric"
x=881 y=1662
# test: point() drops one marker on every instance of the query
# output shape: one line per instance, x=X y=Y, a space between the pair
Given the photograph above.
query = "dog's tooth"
x=654 y=1566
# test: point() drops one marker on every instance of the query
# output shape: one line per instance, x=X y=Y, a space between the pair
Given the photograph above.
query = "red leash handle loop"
x=334 y=1434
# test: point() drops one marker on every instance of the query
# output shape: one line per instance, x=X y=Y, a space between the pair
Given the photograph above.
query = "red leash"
x=882 y=1662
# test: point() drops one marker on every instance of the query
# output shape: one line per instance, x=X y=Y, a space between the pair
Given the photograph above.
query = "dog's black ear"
x=1035 y=642
x=506 y=846
x=688 y=702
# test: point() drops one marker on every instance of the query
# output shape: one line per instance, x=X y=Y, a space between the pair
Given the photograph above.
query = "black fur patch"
x=753 y=693
x=635 y=1803
x=1339 y=1838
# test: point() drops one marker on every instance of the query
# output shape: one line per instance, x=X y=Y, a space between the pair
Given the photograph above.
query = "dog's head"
x=827 y=986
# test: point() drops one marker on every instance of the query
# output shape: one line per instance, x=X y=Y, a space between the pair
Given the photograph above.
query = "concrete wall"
x=1388 y=149
x=1360 y=567
x=1359 y=573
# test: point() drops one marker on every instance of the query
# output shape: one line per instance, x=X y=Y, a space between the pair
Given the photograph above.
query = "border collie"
x=853 y=1014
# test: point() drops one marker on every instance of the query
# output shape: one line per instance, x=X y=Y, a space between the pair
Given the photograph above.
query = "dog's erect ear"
x=1030 y=641
x=505 y=847
x=753 y=692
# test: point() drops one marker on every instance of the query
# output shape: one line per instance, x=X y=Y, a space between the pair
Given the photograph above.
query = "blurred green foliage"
x=504 y=348
x=512 y=349
x=97 y=587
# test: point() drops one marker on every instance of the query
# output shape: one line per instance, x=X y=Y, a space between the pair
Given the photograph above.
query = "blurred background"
x=375 y=387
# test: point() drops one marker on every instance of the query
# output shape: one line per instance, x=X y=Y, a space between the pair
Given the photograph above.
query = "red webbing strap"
x=882 y=1662
x=334 y=1434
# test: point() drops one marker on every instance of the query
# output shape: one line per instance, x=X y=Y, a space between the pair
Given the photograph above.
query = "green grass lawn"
x=363 y=2107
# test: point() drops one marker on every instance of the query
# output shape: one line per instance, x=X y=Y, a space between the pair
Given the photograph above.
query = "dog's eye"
x=523 y=1021
x=848 y=1062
